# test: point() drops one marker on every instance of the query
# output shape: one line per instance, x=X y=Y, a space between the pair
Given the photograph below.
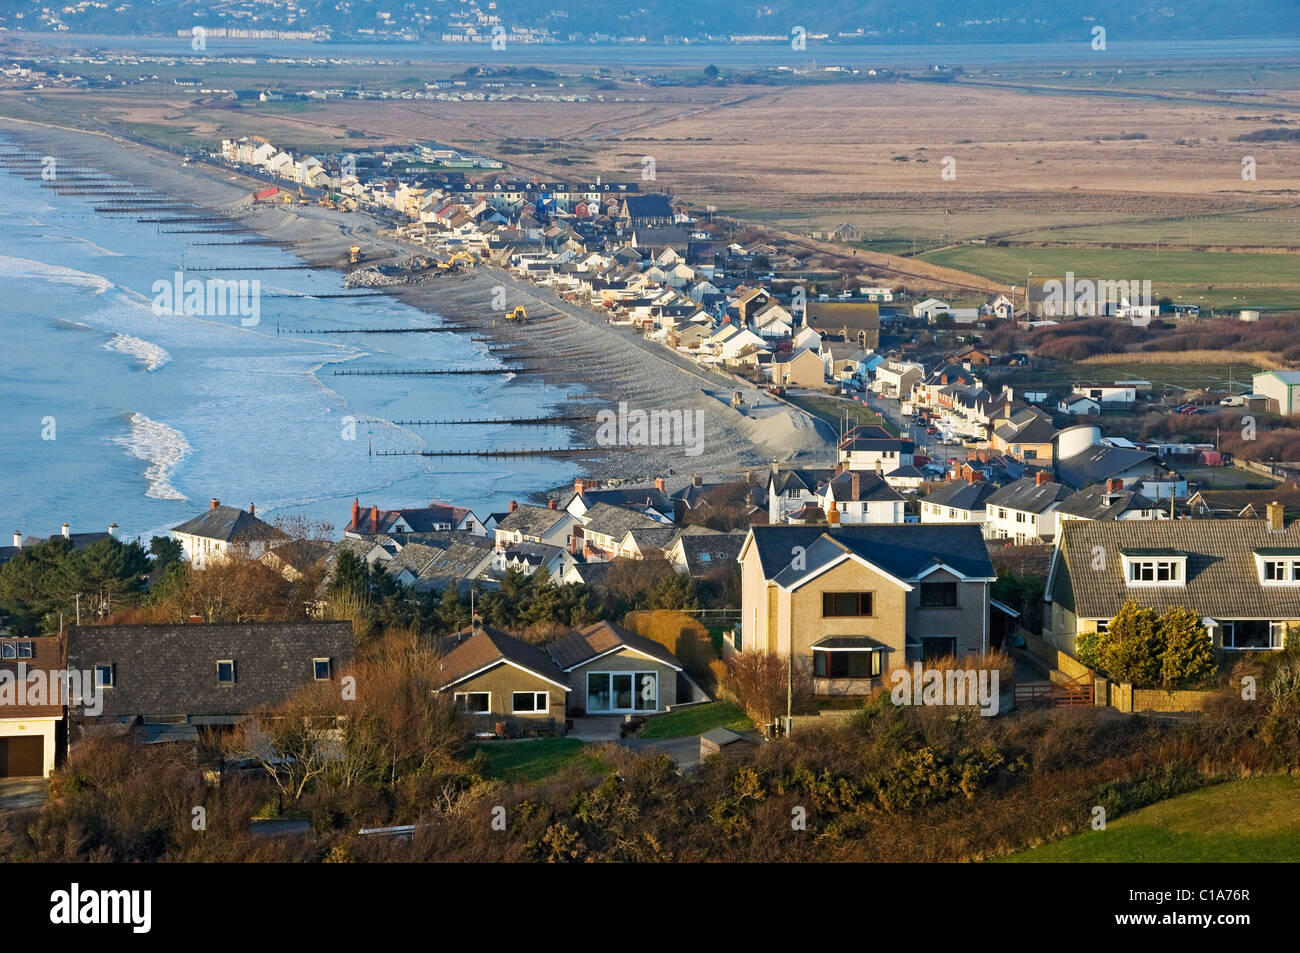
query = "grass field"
x=695 y=721
x=1174 y=375
x=534 y=760
x=1211 y=279
x=833 y=411
x=1243 y=821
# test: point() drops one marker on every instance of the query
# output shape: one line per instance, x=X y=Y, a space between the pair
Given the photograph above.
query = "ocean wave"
x=26 y=268
x=148 y=353
x=162 y=447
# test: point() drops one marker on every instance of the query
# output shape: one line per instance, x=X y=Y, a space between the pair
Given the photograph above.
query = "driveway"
x=21 y=793
x=597 y=730
x=685 y=751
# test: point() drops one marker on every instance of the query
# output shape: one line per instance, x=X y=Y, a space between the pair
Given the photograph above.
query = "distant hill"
x=946 y=21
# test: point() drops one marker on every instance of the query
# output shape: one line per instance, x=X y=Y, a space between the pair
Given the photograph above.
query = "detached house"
x=224 y=531
x=1241 y=576
x=33 y=732
x=851 y=603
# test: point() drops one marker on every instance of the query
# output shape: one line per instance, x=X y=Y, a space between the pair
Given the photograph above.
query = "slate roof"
x=775 y=544
x=1232 y=502
x=1222 y=581
x=585 y=644
x=1037 y=430
x=48 y=657
x=799 y=479
x=531 y=520
x=838 y=315
x=903 y=551
x=1099 y=463
x=1026 y=495
x=172 y=669
x=706 y=553
x=870 y=488
x=229 y=523
x=1091 y=503
x=615 y=521
x=629 y=496
x=492 y=647
x=962 y=495
x=653 y=537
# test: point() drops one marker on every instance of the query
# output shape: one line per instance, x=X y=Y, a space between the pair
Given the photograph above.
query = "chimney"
x=833 y=515
x=855 y=480
x=514 y=506
x=18 y=540
x=551 y=504
x=67 y=532
x=1114 y=486
x=374 y=518
x=252 y=510
x=578 y=487
x=112 y=530
x=697 y=480
x=213 y=503
x=1041 y=477
x=1273 y=514
x=356 y=513
x=659 y=484
x=971 y=477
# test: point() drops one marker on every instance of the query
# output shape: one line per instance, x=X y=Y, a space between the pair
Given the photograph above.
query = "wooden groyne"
x=433 y=373
x=364 y=330
x=551 y=421
x=532 y=452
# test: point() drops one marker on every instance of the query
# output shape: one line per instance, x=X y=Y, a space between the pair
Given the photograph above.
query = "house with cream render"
x=225 y=531
x=850 y=603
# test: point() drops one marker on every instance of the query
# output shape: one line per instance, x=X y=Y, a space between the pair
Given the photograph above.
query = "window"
x=530 y=702
x=8 y=649
x=104 y=676
x=1020 y=517
x=938 y=646
x=938 y=595
x=24 y=650
x=1103 y=626
x=622 y=691
x=321 y=669
x=475 y=703
x=1253 y=634
x=1155 y=571
x=846 y=604
x=226 y=672
x=859 y=663
x=1002 y=512
x=1281 y=570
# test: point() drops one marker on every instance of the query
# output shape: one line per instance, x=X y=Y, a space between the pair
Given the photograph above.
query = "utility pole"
x=789 y=686
x=78 y=609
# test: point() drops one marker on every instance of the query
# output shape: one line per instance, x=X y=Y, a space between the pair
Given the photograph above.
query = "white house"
x=929 y=308
x=225 y=531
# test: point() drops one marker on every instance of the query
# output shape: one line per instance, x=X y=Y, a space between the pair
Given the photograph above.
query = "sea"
x=115 y=410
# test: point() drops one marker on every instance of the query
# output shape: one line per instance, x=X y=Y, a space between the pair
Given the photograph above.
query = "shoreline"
x=611 y=367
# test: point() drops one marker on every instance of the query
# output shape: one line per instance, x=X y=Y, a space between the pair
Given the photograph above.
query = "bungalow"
x=497 y=676
x=1241 y=577
x=614 y=671
x=1079 y=405
x=849 y=603
x=929 y=308
x=214 y=674
x=700 y=555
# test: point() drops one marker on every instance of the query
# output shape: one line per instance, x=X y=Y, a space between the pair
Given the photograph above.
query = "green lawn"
x=1211 y=279
x=695 y=721
x=1252 y=820
x=834 y=410
x=535 y=759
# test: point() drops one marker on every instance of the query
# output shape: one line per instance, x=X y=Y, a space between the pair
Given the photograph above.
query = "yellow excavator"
x=456 y=261
x=519 y=314
x=354 y=253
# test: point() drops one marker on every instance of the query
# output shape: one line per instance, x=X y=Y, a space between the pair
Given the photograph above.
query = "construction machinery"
x=456 y=261
x=518 y=314
x=354 y=254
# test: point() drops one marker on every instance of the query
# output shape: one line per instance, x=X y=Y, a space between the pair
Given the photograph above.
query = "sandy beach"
x=568 y=346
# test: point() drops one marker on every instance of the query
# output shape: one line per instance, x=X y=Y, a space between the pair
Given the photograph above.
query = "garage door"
x=22 y=757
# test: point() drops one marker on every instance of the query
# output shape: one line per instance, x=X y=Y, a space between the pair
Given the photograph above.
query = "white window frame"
x=458 y=698
x=329 y=669
x=1276 y=630
x=1288 y=568
x=545 y=709
x=112 y=675
x=1175 y=566
x=234 y=674
x=636 y=691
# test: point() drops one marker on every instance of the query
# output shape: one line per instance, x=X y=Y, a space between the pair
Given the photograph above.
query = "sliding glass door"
x=619 y=692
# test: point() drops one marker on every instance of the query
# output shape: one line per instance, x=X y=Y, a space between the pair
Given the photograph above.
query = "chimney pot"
x=67 y=532
x=252 y=510
x=1114 y=486
x=551 y=504
x=213 y=503
x=356 y=513
x=659 y=484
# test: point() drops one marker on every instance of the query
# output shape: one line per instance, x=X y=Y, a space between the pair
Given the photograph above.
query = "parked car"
x=1237 y=401
x=932 y=430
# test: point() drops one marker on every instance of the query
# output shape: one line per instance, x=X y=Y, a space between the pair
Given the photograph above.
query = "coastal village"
x=950 y=520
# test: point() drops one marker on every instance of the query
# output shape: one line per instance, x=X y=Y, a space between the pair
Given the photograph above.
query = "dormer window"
x=1154 y=567
x=1278 y=566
